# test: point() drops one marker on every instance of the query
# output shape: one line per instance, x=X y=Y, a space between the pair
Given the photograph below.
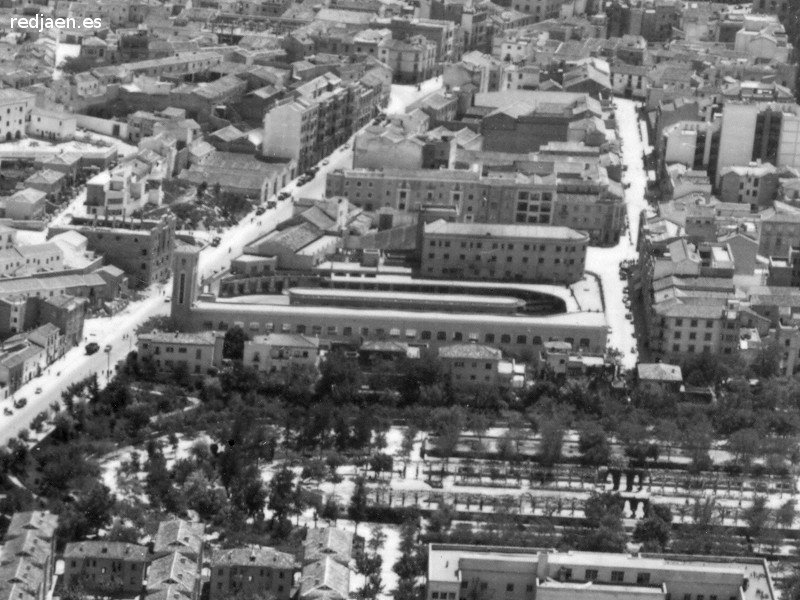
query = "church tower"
x=185 y=283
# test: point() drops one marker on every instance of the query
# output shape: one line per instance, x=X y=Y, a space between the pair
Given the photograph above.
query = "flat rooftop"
x=443 y=563
x=565 y=320
x=504 y=288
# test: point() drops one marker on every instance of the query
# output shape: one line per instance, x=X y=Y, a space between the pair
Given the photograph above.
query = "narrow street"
x=605 y=262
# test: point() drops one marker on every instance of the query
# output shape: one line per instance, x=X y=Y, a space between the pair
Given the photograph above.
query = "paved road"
x=605 y=261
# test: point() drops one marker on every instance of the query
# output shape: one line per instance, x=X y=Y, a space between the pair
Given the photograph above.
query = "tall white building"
x=15 y=111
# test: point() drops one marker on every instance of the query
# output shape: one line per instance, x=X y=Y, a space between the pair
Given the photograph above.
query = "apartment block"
x=251 y=570
x=119 y=192
x=780 y=230
x=278 y=352
x=15 y=111
x=527 y=573
x=562 y=194
x=753 y=184
x=505 y=252
x=142 y=249
x=769 y=132
x=412 y=60
x=523 y=121
x=101 y=567
x=198 y=353
x=321 y=116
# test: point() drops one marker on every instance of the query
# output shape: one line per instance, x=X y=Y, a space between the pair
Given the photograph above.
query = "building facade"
x=505 y=252
x=143 y=249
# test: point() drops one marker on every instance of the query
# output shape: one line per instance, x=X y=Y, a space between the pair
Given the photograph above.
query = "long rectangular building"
x=554 y=192
x=506 y=252
x=520 y=334
x=459 y=572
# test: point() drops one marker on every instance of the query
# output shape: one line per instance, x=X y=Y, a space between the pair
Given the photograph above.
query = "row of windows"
x=500 y=246
x=441 y=336
x=509 y=259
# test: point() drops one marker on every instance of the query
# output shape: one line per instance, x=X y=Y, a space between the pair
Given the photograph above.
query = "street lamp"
x=108 y=361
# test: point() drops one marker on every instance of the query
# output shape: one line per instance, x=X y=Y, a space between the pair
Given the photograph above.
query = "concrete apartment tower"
x=185 y=273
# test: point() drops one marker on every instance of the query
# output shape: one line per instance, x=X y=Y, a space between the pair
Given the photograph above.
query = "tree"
x=77 y=64
x=96 y=505
x=381 y=463
x=282 y=500
x=603 y=514
x=233 y=343
x=331 y=510
x=377 y=538
x=745 y=445
x=785 y=514
x=447 y=425
x=357 y=511
x=767 y=362
x=667 y=432
x=757 y=515
x=249 y=494
x=653 y=531
x=552 y=441
x=593 y=445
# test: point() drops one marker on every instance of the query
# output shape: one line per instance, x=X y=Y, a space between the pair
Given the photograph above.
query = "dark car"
x=20 y=402
x=92 y=347
x=271 y=204
x=284 y=195
x=215 y=242
x=260 y=210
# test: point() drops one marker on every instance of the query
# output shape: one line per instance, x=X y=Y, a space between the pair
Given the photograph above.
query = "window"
x=505 y=339
x=522 y=339
x=509 y=587
x=489 y=338
x=591 y=574
x=441 y=336
x=617 y=576
x=464 y=584
x=678 y=322
x=529 y=588
x=643 y=578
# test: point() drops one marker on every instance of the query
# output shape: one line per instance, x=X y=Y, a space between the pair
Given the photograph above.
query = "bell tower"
x=185 y=282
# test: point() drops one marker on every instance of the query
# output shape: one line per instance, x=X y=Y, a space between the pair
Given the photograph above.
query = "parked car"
x=271 y=204
x=92 y=347
x=20 y=402
x=260 y=210
x=326 y=162
x=107 y=348
x=629 y=316
x=167 y=299
x=284 y=195
x=38 y=390
x=215 y=242
x=7 y=411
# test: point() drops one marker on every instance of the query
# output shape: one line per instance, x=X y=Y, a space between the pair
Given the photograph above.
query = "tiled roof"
x=470 y=351
x=252 y=555
x=163 y=337
x=659 y=372
x=42 y=522
x=103 y=549
x=178 y=534
x=173 y=570
x=328 y=541
x=325 y=579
